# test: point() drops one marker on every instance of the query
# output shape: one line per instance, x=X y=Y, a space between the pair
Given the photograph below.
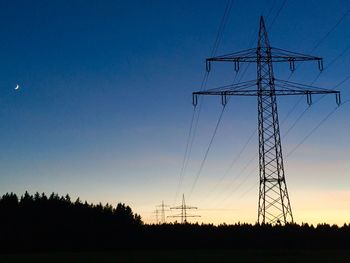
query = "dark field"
x=39 y=228
x=186 y=256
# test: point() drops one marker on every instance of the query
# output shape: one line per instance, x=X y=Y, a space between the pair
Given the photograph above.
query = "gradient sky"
x=104 y=107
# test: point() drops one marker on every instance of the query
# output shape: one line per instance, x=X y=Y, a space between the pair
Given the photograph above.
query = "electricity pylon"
x=157 y=216
x=274 y=204
x=162 y=210
x=184 y=215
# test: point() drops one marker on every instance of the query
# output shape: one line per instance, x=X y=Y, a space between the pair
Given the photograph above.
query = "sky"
x=104 y=106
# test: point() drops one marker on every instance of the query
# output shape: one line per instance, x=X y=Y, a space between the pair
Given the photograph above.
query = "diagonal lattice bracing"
x=184 y=214
x=274 y=204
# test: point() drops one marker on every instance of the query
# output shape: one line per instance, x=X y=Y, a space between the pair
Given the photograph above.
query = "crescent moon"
x=17 y=87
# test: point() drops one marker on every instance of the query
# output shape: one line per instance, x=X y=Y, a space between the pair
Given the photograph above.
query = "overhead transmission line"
x=325 y=36
x=293 y=108
x=298 y=102
x=331 y=63
x=296 y=147
x=222 y=26
x=331 y=30
x=270 y=10
x=303 y=113
x=233 y=162
x=207 y=151
x=286 y=156
x=194 y=121
x=278 y=13
x=304 y=139
x=319 y=74
x=213 y=52
x=184 y=158
x=311 y=132
x=322 y=96
x=316 y=128
x=241 y=76
x=253 y=171
x=241 y=172
x=285 y=135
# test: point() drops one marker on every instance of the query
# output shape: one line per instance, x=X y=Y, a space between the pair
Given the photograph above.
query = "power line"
x=278 y=13
x=311 y=132
x=295 y=122
x=255 y=155
x=207 y=151
x=190 y=139
x=274 y=204
x=315 y=102
x=330 y=31
x=317 y=127
x=222 y=26
x=184 y=214
x=343 y=81
x=325 y=36
x=233 y=162
x=240 y=78
x=284 y=136
x=303 y=113
x=291 y=110
x=162 y=207
x=231 y=184
x=331 y=63
x=185 y=156
x=270 y=10
x=249 y=189
x=242 y=75
x=304 y=139
x=241 y=183
x=234 y=81
x=297 y=146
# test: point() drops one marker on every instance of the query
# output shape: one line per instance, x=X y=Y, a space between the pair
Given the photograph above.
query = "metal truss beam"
x=274 y=204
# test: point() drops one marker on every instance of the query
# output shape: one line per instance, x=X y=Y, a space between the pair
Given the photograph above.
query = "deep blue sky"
x=104 y=106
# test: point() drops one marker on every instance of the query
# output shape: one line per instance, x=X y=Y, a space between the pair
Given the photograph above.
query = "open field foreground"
x=186 y=256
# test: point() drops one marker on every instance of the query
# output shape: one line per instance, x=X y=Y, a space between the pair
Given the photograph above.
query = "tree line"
x=52 y=222
x=56 y=223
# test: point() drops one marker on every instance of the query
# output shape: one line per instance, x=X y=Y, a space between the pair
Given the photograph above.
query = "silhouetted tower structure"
x=157 y=216
x=274 y=204
x=183 y=207
x=162 y=211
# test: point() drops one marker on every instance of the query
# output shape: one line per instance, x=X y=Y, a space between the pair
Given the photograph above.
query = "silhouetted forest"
x=43 y=222
x=55 y=223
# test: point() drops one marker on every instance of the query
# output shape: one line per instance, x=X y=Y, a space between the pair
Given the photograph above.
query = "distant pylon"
x=162 y=210
x=157 y=216
x=184 y=215
x=274 y=204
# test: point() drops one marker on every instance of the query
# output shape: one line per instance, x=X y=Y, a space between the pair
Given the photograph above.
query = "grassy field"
x=186 y=256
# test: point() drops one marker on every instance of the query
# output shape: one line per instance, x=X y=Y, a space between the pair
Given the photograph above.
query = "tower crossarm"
x=191 y=207
x=282 y=88
x=274 y=55
x=162 y=205
x=174 y=216
x=274 y=205
x=183 y=207
x=281 y=55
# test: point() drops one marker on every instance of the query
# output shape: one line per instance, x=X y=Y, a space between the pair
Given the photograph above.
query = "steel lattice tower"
x=162 y=207
x=157 y=217
x=274 y=205
x=183 y=207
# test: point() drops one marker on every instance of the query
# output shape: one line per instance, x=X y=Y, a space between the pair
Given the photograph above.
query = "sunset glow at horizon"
x=104 y=108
